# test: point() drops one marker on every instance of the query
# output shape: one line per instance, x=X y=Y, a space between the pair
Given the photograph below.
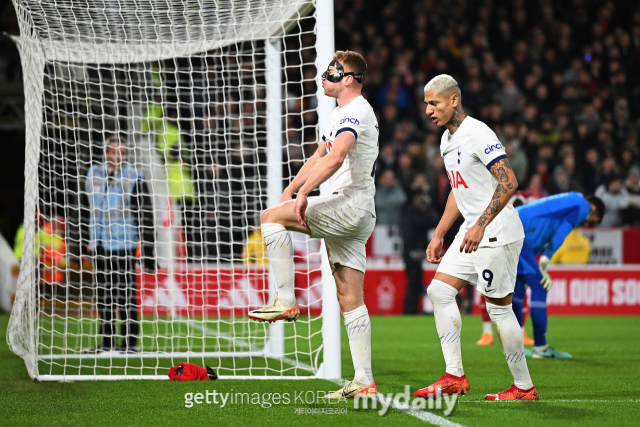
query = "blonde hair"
x=442 y=83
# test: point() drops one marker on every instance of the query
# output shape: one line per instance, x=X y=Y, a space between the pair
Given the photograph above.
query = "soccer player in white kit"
x=345 y=219
x=486 y=249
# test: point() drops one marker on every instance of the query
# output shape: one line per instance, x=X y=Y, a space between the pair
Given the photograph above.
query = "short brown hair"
x=352 y=61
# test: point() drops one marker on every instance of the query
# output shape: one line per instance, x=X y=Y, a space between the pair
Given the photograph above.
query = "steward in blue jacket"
x=121 y=220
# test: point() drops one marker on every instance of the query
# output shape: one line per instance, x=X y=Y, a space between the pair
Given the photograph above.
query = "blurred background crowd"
x=554 y=79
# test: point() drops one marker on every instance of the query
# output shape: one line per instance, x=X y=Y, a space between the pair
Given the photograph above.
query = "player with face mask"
x=345 y=219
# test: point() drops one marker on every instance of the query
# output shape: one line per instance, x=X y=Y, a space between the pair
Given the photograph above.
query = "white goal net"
x=157 y=132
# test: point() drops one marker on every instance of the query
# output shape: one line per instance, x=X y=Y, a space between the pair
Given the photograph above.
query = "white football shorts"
x=492 y=269
x=344 y=228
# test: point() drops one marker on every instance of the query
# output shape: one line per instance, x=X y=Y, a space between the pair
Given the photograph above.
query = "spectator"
x=518 y=161
x=418 y=218
x=632 y=185
x=564 y=177
x=53 y=251
x=438 y=181
x=508 y=98
x=121 y=214
x=177 y=164
x=592 y=170
x=390 y=199
x=548 y=135
x=628 y=161
x=535 y=189
x=395 y=92
x=589 y=117
x=386 y=158
x=576 y=249
x=616 y=200
x=608 y=170
x=405 y=172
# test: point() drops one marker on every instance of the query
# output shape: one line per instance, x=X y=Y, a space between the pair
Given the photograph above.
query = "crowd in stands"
x=553 y=79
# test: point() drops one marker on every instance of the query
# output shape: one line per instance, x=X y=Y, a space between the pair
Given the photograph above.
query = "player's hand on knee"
x=546 y=281
x=301 y=208
x=472 y=239
x=433 y=251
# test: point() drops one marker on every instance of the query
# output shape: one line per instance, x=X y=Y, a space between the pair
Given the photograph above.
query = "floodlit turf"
x=74 y=334
x=599 y=386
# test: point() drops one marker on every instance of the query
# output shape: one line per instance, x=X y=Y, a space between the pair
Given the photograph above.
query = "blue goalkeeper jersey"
x=548 y=221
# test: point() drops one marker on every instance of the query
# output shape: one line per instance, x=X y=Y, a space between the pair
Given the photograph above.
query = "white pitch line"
x=425 y=416
x=220 y=334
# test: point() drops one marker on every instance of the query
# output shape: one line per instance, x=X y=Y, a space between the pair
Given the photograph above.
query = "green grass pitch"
x=599 y=386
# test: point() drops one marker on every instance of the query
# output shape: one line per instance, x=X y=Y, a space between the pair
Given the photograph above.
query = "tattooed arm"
x=507 y=185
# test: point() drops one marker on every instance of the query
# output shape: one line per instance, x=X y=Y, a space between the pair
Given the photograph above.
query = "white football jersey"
x=468 y=155
x=356 y=176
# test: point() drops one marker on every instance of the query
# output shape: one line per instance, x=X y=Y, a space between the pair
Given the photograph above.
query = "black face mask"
x=340 y=74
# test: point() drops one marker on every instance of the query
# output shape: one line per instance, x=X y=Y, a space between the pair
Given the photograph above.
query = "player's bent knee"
x=431 y=291
x=441 y=293
x=266 y=216
x=281 y=214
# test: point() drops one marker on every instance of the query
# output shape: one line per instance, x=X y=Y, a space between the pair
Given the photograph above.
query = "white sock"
x=486 y=328
x=448 y=324
x=510 y=337
x=280 y=254
x=358 y=327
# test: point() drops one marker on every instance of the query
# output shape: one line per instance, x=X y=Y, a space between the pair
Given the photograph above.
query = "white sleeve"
x=354 y=120
x=488 y=149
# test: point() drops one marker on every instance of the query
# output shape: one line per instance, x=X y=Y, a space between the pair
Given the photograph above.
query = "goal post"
x=331 y=328
x=219 y=103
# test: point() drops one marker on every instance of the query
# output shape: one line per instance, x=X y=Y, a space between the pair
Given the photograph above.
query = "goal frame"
x=330 y=367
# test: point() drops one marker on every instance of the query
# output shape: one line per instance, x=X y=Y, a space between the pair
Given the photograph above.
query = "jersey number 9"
x=488 y=276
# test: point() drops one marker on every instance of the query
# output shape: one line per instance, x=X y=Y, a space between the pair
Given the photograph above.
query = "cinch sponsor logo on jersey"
x=456 y=179
x=350 y=120
x=490 y=148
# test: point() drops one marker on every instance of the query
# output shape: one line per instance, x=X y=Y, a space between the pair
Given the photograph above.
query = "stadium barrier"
x=608 y=245
x=577 y=290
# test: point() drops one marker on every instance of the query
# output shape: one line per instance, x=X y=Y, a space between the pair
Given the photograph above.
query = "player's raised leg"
x=276 y=224
x=442 y=291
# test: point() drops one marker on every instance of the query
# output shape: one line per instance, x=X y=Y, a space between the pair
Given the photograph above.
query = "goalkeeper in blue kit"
x=547 y=222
